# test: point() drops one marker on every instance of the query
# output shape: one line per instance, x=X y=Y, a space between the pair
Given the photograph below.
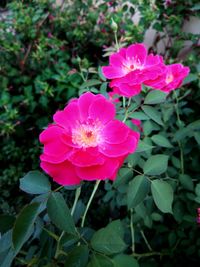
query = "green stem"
x=116 y=40
x=181 y=157
x=77 y=194
x=132 y=232
x=145 y=240
x=149 y=254
x=89 y=202
x=58 y=188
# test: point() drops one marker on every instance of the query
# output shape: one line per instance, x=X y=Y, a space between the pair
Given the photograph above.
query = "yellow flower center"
x=169 y=78
x=87 y=134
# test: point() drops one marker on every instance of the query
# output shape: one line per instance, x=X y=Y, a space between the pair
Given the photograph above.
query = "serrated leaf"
x=137 y=191
x=35 y=182
x=153 y=114
x=161 y=140
x=23 y=225
x=155 y=97
x=107 y=240
x=59 y=213
x=162 y=193
x=156 y=164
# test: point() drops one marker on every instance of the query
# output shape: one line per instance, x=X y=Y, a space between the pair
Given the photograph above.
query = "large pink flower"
x=171 y=78
x=86 y=142
x=130 y=67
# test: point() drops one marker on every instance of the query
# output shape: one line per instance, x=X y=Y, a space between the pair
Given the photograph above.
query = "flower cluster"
x=131 y=67
x=86 y=142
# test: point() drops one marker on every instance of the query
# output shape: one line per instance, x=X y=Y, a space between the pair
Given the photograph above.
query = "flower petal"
x=136 y=52
x=99 y=172
x=102 y=109
x=54 y=149
x=115 y=132
x=62 y=173
x=118 y=150
x=87 y=157
x=111 y=72
x=84 y=103
x=69 y=116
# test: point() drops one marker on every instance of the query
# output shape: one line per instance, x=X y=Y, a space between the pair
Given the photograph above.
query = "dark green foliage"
x=50 y=54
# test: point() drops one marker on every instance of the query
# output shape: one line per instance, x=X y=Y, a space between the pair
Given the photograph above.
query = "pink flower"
x=170 y=79
x=130 y=67
x=86 y=142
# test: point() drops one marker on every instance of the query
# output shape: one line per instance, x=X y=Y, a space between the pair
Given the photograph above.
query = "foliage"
x=48 y=56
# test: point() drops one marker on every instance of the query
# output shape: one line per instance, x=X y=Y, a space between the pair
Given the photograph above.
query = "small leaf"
x=6 y=222
x=78 y=257
x=137 y=190
x=90 y=83
x=156 y=164
x=162 y=195
x=155 y=97
x=34 y=182
x=24 y=224
x=153 y=114
x=142 y=146
x=125 y=261
x=59 y=213
x=161 y=140
x=186 y=182
x=101 y=74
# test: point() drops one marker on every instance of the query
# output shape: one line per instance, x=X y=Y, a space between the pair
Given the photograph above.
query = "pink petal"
x=62 y=173
x=116 y=60
x=99 y=172
x=84 y=102
x=86 y=157
x=69 y=117
x=118 y=150
x=129 y=90
x=111 y=72
x=115 y=132
x=54 y=149
x=136 y=52
x=102 y=110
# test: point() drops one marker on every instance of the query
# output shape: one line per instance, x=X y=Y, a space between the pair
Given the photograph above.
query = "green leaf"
x=100 y=261
x=59 y=213
x=142 y=146
x=90 y=83
x=161 y=140
x=156 y=164
x=153 y=114
x=78 y=257
x=6 y=241
x=125 y=261
x=138 y=115
x=34 y=182
x=108 y=240
x=101 y=74
x=162 y=195
x=23 y=225
x=137 y=191
x=155 y=97
x=186 y=182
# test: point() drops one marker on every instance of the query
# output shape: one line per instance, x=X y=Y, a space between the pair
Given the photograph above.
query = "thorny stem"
x=89 y=202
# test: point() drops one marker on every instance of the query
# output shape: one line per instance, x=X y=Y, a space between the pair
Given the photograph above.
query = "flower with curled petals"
x=130 y=67
x=86 y=142
x=171 y=78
